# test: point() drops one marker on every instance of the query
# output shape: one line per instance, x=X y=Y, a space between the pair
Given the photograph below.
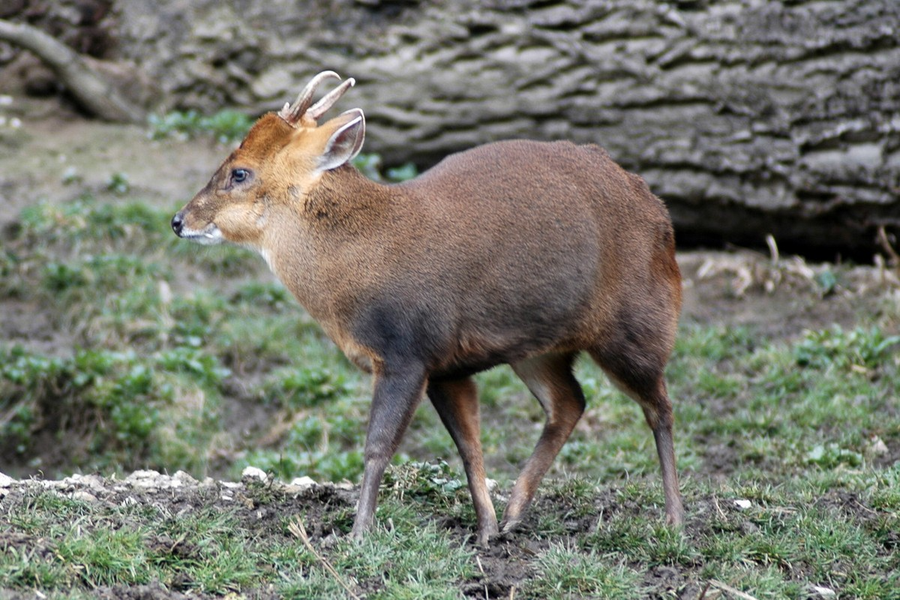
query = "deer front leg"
x=398 y=391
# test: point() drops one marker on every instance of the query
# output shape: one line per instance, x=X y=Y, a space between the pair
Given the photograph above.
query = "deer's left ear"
x=348 y=131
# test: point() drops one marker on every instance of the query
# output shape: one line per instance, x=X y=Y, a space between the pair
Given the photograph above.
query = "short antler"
x=301 y=110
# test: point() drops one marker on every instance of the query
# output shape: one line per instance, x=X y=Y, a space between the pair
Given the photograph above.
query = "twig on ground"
x=296 y=527
x=727 y=588
x=718 y=508
x=480 y=568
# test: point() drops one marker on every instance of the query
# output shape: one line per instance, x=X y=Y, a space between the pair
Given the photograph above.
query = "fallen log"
x=82 y=76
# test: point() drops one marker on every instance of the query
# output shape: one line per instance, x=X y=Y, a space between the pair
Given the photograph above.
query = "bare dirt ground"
x=777 y=297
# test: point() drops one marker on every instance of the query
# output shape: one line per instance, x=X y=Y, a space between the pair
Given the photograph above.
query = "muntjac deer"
x=520 y=253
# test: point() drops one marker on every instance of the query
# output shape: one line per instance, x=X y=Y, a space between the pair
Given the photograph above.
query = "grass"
x=63 y=543
x=789 y=537
x=180 y=357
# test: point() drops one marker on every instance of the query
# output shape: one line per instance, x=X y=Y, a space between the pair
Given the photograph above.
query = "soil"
x=262 y=507
x=776 y=297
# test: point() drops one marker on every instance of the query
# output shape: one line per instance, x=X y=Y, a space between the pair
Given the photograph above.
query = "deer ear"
x=346 y=140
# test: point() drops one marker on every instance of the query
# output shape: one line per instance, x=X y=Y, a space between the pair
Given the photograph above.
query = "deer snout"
x=177 y=223
x=208 y=235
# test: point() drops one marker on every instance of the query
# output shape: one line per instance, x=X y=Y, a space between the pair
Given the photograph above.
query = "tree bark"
x=747 y=117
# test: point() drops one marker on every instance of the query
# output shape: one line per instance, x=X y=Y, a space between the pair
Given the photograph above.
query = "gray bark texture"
x=747 y=117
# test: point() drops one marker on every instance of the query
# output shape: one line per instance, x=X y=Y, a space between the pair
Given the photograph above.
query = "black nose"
x=177 y=224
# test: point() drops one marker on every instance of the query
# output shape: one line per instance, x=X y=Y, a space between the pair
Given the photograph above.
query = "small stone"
x=253 y=474
x=743 y=504
x=5 y=480
x=83 y=496
x=143 y=478
x=184 y=478
x=51 y=483
x=877 y=447
x=170 y=482
x=824 y=592
x=300 y=485
x=94 y=482
x=151 y=479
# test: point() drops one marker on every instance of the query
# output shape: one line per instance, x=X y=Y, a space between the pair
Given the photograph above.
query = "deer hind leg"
x=637 y=370
x=550 y=379
x=456 y=401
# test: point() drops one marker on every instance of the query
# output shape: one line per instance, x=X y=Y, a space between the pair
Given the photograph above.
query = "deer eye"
x=240 y=175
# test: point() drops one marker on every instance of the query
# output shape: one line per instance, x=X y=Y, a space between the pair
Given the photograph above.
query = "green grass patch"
x=573 y=573
x=108 y=410
x=175 y=357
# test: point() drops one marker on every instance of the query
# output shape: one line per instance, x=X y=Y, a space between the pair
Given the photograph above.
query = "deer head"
x=280 y=161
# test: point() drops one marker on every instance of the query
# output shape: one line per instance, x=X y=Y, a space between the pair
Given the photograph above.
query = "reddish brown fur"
x=517 y=252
